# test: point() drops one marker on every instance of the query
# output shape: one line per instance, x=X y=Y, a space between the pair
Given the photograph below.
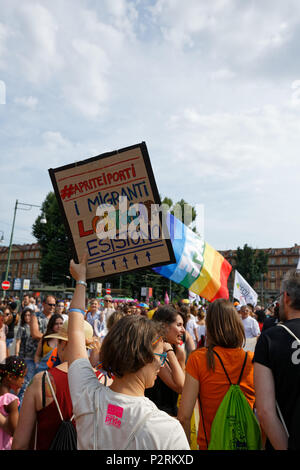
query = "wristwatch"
x=82 y=283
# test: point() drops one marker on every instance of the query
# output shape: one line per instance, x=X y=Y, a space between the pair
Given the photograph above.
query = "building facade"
x=280 y=261
x=24 y=263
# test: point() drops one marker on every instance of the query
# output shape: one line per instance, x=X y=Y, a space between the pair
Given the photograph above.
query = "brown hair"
x=113 y=318
x=224 y=328
x=128 y=347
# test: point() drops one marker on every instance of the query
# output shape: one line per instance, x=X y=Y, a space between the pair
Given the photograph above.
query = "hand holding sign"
x=106 y=202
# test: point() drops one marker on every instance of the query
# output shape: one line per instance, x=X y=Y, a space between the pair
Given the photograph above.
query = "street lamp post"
x=25 y=207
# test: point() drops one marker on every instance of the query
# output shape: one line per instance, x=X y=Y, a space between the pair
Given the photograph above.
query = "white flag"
x=194 y=297
x=242 y=291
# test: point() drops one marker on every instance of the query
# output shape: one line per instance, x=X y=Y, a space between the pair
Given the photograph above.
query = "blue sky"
x=213 y=88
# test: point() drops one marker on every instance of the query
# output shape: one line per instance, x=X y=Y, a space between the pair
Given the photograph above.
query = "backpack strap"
x=222 y=366
x=289 y=331
x=43 y=390
x=54 y=396
x=242 y=371
x=55 y=399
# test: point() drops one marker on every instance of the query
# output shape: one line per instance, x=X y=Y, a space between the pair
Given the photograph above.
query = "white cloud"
x=38 y=51
x=29 y=102
x=212 y=87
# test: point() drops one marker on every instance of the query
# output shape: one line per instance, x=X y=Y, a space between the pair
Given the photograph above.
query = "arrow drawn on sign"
x=148 y=255
x=125 y=262
x=102 y=266
x=114 y=264
x=136 y=259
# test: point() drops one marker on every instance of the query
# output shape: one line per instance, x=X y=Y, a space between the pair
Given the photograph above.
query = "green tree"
x=182 y=210
x=56 y=254
x=251 y=263
x=54 y=244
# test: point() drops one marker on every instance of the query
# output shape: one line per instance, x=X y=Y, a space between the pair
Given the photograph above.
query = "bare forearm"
x=76 y=345
x=176 y=370
x=274 y=430
x=186 y=424
x=18 y=344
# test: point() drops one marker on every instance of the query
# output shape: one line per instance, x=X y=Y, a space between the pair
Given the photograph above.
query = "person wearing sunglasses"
x=38 y=326
x=118 y=417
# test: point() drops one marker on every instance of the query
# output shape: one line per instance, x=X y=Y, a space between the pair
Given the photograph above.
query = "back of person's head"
x=260 y=316
x=113 y=318
x=128 y=346
x=194 y=310
x=291 y=285
x=200 y=315
x=185 y=310
x=13 y=306
x=13 y=366
x=224 y=327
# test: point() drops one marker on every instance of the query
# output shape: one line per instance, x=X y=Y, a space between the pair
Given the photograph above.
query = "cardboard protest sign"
x=107 y=202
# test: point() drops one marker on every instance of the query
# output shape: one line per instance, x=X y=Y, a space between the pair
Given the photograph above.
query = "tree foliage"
x=251 y=263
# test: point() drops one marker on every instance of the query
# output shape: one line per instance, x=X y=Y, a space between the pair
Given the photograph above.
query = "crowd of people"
x=126 y=376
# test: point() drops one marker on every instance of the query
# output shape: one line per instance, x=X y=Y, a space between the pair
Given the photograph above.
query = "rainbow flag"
x=199 y=267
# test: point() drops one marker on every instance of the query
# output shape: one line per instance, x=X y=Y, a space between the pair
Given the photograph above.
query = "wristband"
x=82 y=283
x=79 y=310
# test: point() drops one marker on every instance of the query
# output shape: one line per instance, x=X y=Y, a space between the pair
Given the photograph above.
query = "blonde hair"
x=224 y=328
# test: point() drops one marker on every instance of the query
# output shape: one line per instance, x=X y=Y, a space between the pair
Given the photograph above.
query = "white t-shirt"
x=118 y=417
x=201 y=331
x=251 y=327
x=190 y=327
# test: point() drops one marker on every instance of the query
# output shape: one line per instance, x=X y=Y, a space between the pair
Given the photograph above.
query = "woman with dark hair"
x=260 y=317
x=23 y=332
x=118 y=416
x=11 y=319
x=46 y=345
x=169 y=383
x=205 y=376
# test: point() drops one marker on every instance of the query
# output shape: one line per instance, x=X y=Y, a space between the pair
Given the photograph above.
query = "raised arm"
x=34 y=327
x=76 y=343
x=172 y=374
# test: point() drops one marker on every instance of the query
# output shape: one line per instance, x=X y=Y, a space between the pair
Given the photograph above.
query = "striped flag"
x=199 y=267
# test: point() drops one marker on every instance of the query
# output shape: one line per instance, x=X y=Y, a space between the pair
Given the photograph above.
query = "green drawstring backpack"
x=235 y=426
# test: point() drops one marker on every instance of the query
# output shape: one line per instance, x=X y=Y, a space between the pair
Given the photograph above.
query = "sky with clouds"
x=212 y=87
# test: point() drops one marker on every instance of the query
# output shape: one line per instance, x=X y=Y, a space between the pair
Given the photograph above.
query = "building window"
x=272 y=274
x=283 y=261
